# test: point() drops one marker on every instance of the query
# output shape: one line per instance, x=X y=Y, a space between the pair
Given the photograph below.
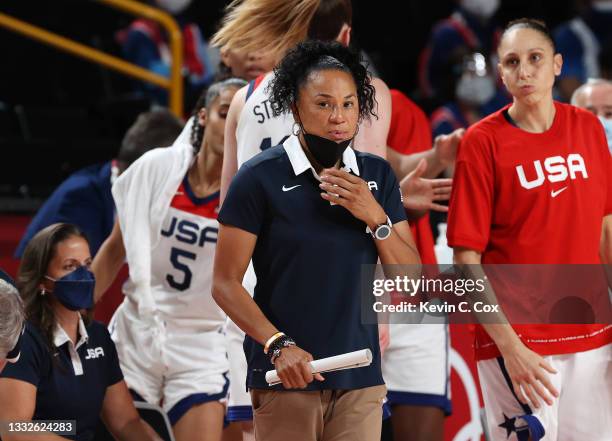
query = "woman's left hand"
x=352 y=193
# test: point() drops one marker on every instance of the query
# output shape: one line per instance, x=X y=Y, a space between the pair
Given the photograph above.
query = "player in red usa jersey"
x=169 y=330
x=533 y=185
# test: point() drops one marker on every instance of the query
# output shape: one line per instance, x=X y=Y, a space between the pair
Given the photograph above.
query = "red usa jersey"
x=182 y=262
x=534 y=198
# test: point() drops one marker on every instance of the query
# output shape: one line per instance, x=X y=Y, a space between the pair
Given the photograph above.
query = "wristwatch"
x=382 y=231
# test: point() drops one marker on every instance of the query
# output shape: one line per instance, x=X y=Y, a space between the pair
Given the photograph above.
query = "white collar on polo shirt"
x=300 y=163
x=60 y=337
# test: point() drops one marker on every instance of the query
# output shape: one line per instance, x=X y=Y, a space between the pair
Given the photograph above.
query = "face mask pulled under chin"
x=607 y=123
x=325 y=151
x=173 y=6
x=481 y=8
x=76 y=289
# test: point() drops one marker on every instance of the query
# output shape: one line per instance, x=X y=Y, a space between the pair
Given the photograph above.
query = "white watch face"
x=382 y=232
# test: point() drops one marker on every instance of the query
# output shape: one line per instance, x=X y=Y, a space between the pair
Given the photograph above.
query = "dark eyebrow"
x=533 y=49
x=352 y=95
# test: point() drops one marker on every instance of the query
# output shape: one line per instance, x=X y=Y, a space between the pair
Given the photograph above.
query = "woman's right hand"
x=527 y=371
x=421 y=194
x=293 y=368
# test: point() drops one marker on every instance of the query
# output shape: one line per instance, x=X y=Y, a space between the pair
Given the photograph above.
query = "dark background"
x=59 y=113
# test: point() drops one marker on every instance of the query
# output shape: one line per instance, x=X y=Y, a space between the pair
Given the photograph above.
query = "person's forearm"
x=231 y=296
x=137 y=430
x=395 y=251
x=404 y=164
x=106 y=266
x=228 y=170
x=504 y=336
x=468 y=262
x=413 y=214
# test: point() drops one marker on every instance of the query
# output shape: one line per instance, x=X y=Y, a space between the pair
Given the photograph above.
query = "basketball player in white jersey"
x=169 y=331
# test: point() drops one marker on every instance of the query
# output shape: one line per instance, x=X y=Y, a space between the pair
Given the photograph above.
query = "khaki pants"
x=327 y=415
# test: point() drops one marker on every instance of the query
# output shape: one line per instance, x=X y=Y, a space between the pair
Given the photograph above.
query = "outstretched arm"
x=439 y=157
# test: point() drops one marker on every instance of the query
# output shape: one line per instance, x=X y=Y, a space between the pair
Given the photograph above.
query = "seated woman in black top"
x=68 y=368
x=310 y=213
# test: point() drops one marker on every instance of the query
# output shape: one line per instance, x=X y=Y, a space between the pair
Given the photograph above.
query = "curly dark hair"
x=313 y=55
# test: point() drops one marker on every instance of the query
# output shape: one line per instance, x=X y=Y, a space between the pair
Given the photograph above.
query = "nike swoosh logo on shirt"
x=556 y=193
x=291 y=188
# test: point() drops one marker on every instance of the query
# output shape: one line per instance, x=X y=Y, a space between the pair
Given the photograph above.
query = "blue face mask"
x=607 y=123
x=76 y=289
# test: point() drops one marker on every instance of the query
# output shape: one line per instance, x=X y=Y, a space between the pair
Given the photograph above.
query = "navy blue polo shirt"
x=71 y=384
x=308 y=257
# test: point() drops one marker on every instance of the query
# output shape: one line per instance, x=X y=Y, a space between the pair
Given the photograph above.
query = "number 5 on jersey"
x=176 y=254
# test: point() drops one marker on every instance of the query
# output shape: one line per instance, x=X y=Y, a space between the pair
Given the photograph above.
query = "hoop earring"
x=296 y=129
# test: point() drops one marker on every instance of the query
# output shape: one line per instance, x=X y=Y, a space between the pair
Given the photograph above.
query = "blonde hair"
x=265 y=25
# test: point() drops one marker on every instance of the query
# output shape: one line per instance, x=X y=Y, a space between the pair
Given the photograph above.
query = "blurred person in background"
x=168 y=330
x=68 y=367
x=582 y=41
x=476 y=95
x=145 y=43
x=84 y=198
x=596 y=97
x=245 y=65
x=470 y=28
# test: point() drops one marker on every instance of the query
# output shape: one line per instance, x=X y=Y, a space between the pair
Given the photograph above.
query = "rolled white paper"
x=336 y=363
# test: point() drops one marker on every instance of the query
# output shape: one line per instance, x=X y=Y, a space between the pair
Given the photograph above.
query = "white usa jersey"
x=257 y=128
x=182 y=261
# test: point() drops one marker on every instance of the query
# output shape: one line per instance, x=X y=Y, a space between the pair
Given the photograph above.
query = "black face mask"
x=325 y=151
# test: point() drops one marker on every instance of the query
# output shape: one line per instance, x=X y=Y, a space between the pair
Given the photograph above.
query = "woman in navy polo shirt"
x=310 y=213
x=68 y=368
